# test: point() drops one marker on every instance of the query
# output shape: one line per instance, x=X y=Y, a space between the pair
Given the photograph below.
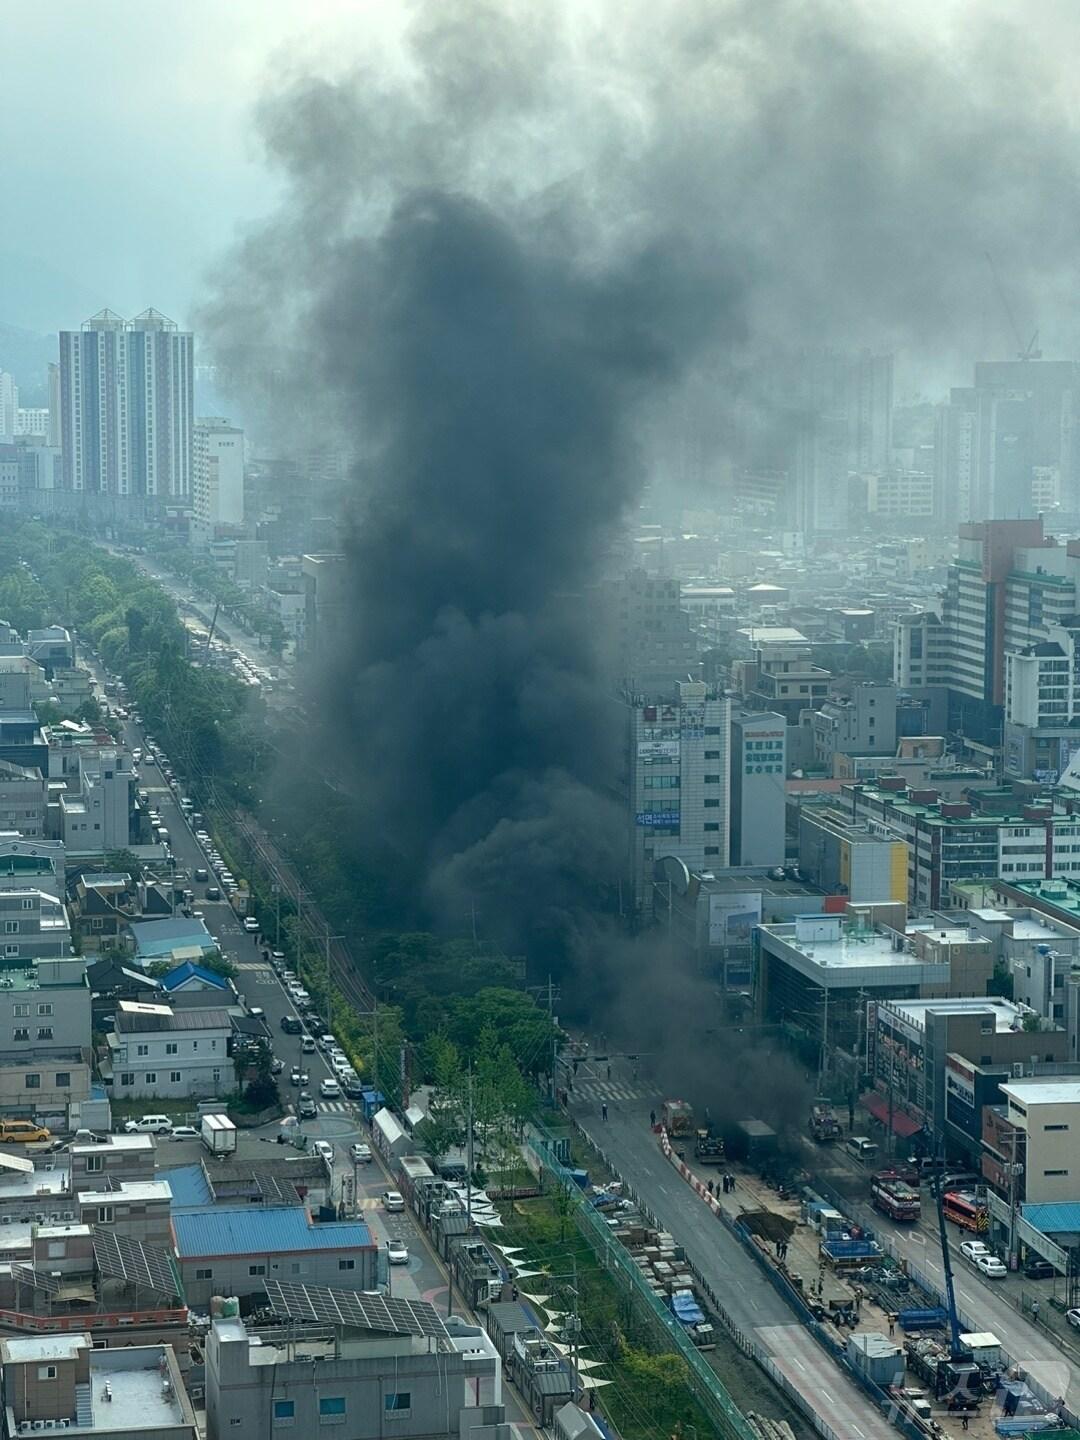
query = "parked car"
x=397 y=1252
x=291 y=1025
x=325 y=1149
x=251 y=925
x=361 y=1153
x=330 y=1090
x=149 y=1125
x=990 y=1266
x=971 y=1248
x=393 y=1201
x=1073 y=1317
x=184 y=1132
x=22 y=1132
x=1039 y=1270
x=307 y=1045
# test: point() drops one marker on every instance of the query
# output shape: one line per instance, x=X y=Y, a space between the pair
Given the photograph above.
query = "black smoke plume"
x=514 y=262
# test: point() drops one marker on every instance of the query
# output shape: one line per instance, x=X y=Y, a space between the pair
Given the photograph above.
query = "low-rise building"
x=235 y=1250
x=33 y=864
x=373 y=1364
x=23 y=801
x=1046 y=1110
x=156 y=1052
x=845 y=857
x=33 y=926
x=64 y=1382
x=914 y=1038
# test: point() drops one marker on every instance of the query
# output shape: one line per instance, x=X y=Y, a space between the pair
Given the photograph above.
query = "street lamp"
x=389 y=1272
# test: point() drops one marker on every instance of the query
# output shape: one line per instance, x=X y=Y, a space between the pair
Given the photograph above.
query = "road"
x=338 y=1121
x=981 y=1300
x=755 y=1307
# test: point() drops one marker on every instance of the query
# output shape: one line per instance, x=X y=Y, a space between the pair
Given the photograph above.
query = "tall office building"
x=653 y=642
x=127 y=407
x=218 y=472
x=9 y=407
x=758 y=797
x=679 y=784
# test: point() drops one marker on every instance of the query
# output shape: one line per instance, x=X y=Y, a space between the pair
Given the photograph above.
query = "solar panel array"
x=39 y=1279
x=349 y=1309
x=126 y=1259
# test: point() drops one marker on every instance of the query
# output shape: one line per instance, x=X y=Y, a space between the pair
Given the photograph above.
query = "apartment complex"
x=217 y=473
x=127 y=406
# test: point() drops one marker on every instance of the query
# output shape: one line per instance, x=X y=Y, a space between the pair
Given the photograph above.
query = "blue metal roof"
x=1053 y=1219
x=190 y=971
x=159 y=937
x=189 y=1188
x=259 y=1230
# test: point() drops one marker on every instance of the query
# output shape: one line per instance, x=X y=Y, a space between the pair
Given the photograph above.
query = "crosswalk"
x=335 y=1107
x=607 y=1090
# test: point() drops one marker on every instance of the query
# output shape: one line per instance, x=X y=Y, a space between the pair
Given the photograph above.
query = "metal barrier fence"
x=705 y=1384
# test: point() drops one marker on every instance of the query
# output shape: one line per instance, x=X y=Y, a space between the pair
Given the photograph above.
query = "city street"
x=626 y=1139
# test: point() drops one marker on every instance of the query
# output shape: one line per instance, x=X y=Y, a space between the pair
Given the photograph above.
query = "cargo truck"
x=218 y=1134
x=678 y=1117
x=824 y=1126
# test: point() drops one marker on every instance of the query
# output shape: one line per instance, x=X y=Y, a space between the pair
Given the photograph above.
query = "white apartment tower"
x=9 y=407
x=679 y=783
x=218 y=474
x=127 y=406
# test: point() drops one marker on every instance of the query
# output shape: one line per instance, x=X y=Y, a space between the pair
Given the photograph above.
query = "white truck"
x=218 y=1134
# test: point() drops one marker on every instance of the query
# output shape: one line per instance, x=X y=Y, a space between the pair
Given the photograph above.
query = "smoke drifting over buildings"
x=498 y=259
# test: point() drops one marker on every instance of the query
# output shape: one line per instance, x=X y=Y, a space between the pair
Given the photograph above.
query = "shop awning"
x=878 y=1106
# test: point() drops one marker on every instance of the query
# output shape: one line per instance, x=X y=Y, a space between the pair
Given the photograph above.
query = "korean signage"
x=649 y=818
x=658 y=750
x=960 y=1079
x=733 y=916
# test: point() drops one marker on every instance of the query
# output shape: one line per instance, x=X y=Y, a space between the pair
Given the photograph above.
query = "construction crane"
x=1031 y=350
x=964 y=1379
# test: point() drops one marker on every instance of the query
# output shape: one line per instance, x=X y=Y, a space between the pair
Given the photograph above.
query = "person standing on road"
x=603 y=1111
x=1035 y=1312
x=652 y=1119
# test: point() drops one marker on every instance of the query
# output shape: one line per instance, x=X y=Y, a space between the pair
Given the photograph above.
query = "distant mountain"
x=26 y=355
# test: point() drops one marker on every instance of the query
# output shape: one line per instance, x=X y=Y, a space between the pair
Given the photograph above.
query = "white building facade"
x=158 y=1053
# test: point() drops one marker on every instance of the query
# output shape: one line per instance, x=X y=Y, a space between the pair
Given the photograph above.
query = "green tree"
x=444 y=1128
x=123 y=862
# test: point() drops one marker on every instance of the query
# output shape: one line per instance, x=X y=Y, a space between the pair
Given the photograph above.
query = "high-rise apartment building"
x=1008 y=444
x=654 y=644
x=679 y=785
x=127 y=406
x=9 y=407
x=218 y=472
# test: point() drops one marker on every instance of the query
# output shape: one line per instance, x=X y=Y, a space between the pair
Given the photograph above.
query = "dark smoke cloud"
x=505 y=261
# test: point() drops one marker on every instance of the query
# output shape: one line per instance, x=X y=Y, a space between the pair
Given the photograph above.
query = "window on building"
x=127 y=1077
x=331 y=1407
x=45 y=1032
x=1055 y=1127
x=105 y=1215
x=20 y=1033
x=712 y=825
x=712 y=804
x=256 y=1269
x=31 y=1082
x=150 y=1077
x=172 y=1048
x=94 y=1163
x=712 y=779
x=986 y=1027
x=20 y=1010
x=44 y=1009
x=346 y=1264
x=712 y=849
x=284 y=1412
x=11 y=927
x=204 y=1274
x=397 y=1403
x=175 y=1077
x=1055 y=1172
x=62 y=1079
x=46 y=1372
x=712 y=754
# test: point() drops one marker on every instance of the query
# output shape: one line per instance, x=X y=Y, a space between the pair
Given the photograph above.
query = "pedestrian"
x=892 y=1324
x=652 y=1119
x=609 y=1072
x=603 y=1111
x=964 y=1421
x=1035 y=1311
x=710 y=1187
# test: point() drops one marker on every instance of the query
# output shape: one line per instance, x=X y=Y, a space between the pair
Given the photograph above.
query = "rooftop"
x=247 y=1230
x=1035 y=1091
x=1007 y=1015
x=134 y=1017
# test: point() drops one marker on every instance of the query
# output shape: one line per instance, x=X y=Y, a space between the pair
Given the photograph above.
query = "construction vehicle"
x=894 y=1197
x=824 y=1126
x=957 y=1375
x=708 y=1148
x=678 y=1117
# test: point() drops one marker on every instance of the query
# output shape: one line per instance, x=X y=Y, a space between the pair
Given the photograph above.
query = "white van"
x=862 y=1147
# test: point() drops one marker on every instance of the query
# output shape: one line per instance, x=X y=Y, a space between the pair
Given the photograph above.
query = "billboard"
x=658 y=750
x=732 y=916
x=649 y=818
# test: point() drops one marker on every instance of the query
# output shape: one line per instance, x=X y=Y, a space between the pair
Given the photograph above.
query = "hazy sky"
x=132 y=155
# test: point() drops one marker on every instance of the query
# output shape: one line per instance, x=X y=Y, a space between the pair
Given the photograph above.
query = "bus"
x=962 y=1208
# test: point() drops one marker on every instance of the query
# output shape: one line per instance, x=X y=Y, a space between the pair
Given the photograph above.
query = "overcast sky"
x=131 y=154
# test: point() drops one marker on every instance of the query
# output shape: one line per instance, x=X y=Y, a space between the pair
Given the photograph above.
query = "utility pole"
x=1014 y=1172
x=277 y=915
x=554 y=1038
x=823 y=1065
x=469 y=1153
x=329 y=979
